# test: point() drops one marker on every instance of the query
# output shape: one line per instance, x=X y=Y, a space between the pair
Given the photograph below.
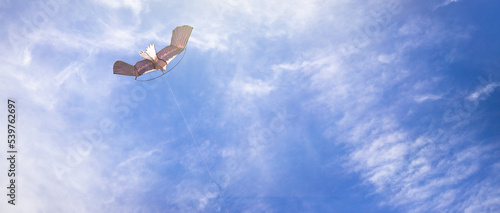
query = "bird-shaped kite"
x=156 y=61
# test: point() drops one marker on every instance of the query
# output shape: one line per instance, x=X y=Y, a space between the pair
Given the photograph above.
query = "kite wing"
x=140 y=68
x=145 y=66
x=123 y=68
x=167 y=54
x=180 y=37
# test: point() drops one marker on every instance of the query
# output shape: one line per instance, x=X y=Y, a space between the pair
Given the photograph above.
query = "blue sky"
x=303 y=106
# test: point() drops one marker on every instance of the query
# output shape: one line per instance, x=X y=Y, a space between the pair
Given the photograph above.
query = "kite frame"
x=163 y=72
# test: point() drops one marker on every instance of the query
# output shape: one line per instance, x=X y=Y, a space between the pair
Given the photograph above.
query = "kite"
x=156 y=61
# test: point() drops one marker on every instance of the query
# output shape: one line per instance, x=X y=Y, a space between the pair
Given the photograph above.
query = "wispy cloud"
x=277 y=75
x=421 y=171
x=446 y=3
x=481 y=92
x=431 y=97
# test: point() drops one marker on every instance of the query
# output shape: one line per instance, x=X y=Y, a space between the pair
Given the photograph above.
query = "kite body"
x=156 y=61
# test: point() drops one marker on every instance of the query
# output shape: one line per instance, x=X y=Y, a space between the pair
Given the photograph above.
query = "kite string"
x=196 y=143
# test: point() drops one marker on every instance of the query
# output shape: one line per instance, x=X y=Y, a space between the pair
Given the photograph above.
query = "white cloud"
x=447 y=2
x=347 y=89
x=62 y=89
x=483 y=91
x=431 y=97
x=136 y=6
x=252 y=87
x=384 y=58
x=419 y=172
